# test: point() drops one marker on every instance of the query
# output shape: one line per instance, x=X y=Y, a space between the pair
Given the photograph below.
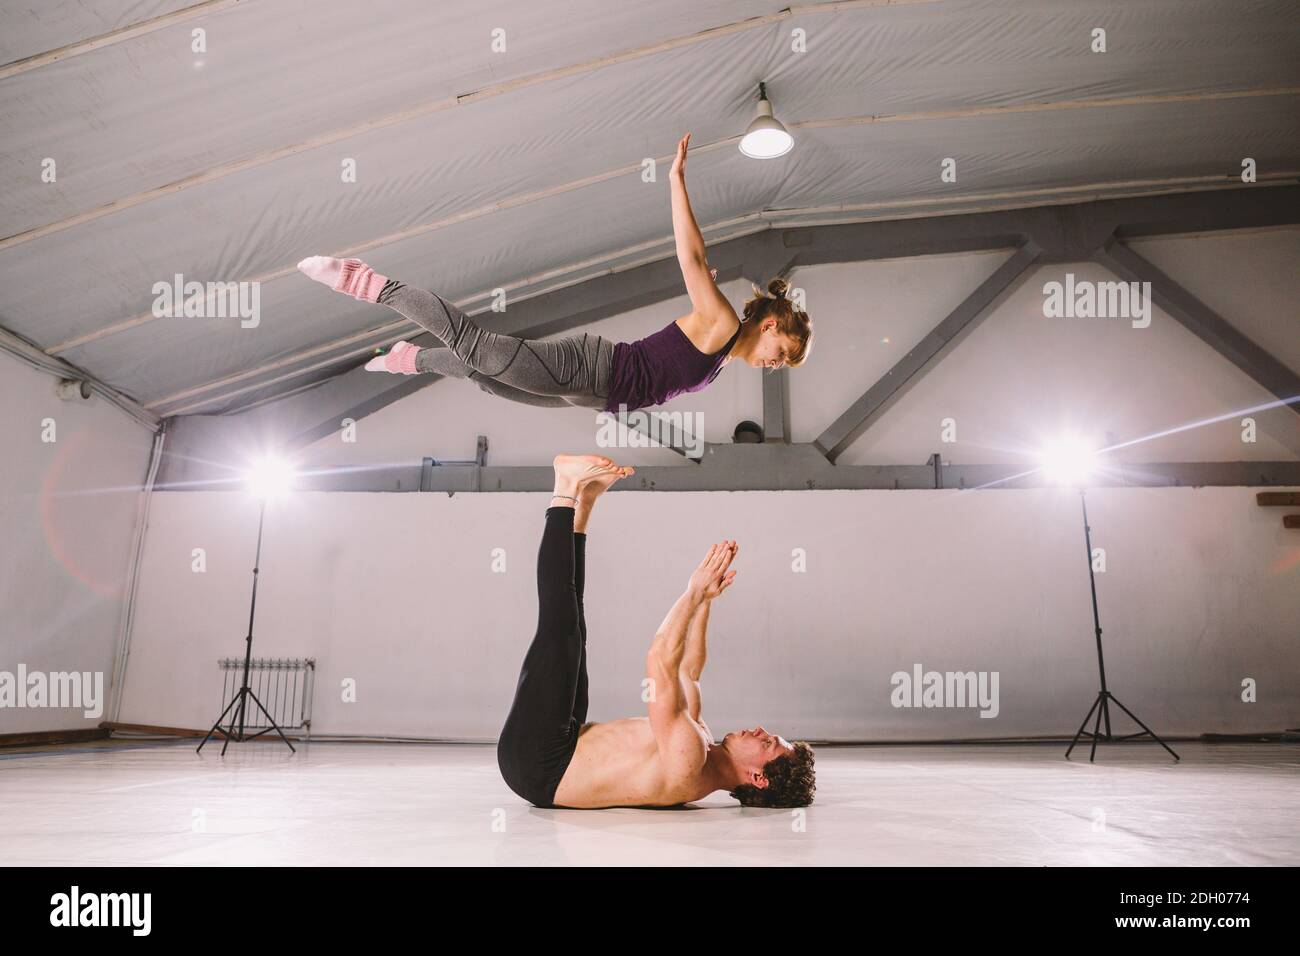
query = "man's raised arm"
x=676 y=733
x=697 y=652
x=668 y=649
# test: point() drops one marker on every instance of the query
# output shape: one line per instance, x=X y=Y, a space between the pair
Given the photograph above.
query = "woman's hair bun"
x=777 y=288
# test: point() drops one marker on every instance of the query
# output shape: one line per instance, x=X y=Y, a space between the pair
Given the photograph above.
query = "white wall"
x=396 y=590
x=68 y=514
x=1019 y=377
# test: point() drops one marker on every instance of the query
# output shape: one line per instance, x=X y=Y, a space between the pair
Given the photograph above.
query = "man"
x=551 y=757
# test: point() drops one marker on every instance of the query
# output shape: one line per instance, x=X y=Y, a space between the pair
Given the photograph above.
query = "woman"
x=588 y=370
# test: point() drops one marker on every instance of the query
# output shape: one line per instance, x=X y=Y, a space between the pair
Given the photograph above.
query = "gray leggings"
x=552 y=374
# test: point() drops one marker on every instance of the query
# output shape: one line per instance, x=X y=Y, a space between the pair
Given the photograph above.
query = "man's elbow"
x=659 y=664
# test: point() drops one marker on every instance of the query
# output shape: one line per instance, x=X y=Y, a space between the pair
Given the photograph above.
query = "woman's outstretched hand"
x=711 y=578
x=679 y=163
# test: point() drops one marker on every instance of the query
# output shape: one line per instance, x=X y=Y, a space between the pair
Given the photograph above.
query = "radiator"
x=283 y=685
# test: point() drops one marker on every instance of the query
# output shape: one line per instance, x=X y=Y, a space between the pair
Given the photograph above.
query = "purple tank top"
x=660 y=367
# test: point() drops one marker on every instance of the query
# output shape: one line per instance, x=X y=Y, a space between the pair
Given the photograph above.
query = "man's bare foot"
x=593 y=488
x=598 y=484
x=572 y=471
x=577 y=469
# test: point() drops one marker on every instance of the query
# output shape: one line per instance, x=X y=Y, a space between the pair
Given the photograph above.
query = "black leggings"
x=550 y=706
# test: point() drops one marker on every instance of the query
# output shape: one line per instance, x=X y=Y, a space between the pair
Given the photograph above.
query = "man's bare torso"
x=617 y=764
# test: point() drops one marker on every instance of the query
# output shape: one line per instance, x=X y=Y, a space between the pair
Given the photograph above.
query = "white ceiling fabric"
x=138 y=115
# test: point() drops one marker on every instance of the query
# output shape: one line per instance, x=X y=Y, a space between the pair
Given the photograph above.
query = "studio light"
x=766 y=138
x=1068 y=460
x=269 y=478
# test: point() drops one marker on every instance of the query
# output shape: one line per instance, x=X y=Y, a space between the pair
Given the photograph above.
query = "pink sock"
x=360 y=281
x=400 y=359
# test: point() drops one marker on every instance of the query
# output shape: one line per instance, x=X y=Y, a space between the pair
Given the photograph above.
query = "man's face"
x=752 y=749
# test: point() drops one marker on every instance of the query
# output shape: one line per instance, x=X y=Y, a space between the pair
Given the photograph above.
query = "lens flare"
x=1068 y=460
x=270 y=477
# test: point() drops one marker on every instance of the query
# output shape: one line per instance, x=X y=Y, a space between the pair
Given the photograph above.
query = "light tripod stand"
x=241 y=699
x=1104 y=697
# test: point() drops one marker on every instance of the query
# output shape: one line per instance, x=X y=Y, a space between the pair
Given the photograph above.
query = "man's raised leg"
x=540 y=732
x=592 y=490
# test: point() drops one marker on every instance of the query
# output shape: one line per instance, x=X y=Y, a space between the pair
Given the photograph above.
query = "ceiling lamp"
x=766 y=138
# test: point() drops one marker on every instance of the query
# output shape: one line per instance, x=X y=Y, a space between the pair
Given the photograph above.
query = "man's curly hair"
x=791 y=781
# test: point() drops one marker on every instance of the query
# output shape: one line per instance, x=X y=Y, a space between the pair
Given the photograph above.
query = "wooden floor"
x=427 y=804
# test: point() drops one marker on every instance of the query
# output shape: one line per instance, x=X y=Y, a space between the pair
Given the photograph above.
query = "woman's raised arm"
x=706 y=300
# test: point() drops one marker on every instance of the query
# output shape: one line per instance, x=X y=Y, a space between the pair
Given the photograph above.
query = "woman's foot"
x=400 y=360
x=349 y=276
x=322 y=268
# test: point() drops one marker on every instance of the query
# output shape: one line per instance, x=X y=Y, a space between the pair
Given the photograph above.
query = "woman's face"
x=773 y=347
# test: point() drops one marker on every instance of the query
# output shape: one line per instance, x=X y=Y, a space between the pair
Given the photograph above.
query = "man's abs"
x=616 y=764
